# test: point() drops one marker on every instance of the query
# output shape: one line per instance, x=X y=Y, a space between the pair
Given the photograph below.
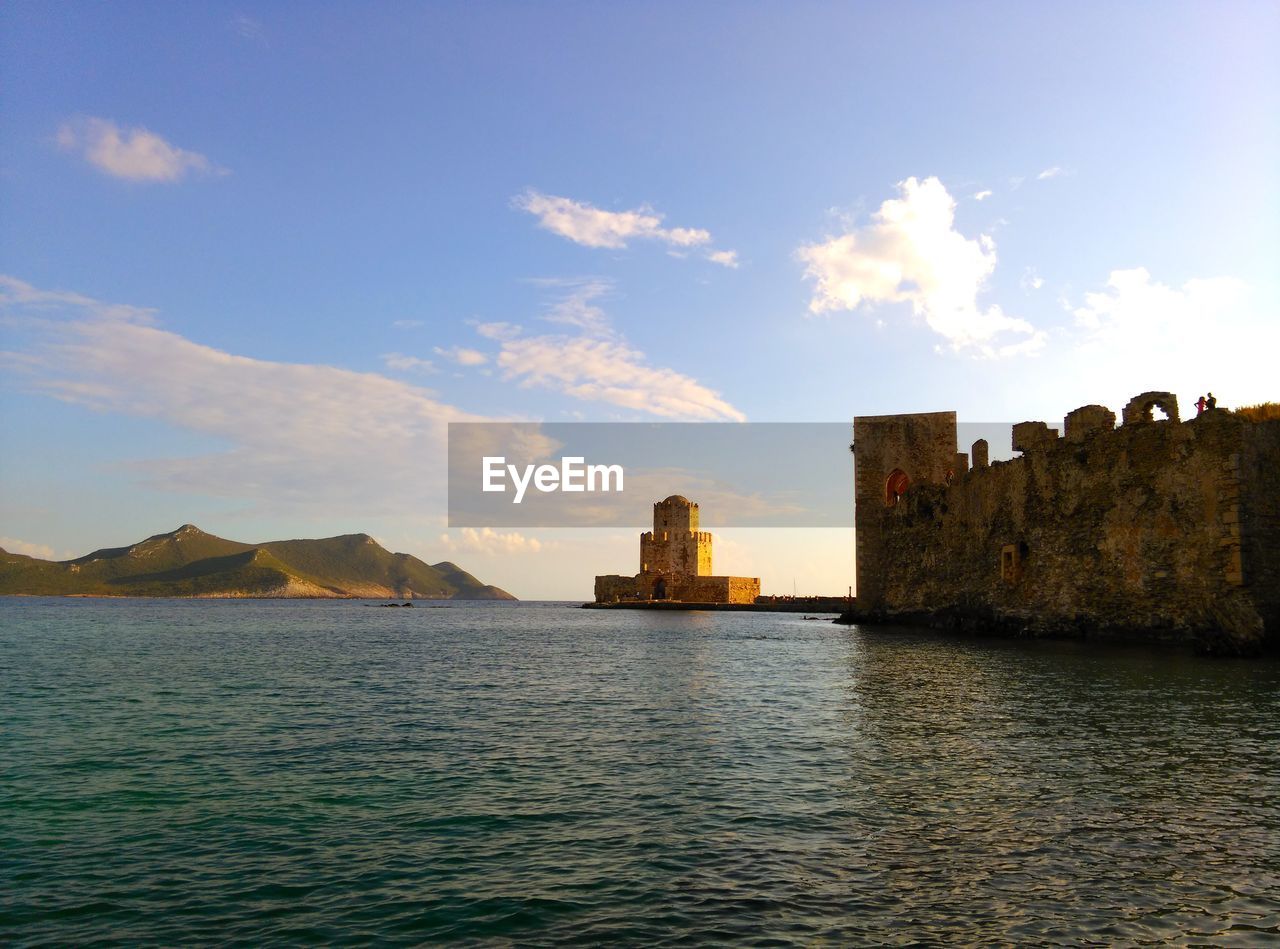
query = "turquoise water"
x=279 y=772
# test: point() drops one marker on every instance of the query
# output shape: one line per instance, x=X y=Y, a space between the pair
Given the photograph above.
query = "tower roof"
x=678 y=499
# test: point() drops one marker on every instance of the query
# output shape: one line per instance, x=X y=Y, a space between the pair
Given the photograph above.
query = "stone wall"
x=721 y=590
x=1156 y=530
x=1260 y=520
x=613 y=587
x=921 y=449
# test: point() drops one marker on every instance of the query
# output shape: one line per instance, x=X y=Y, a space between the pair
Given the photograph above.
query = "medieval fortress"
x=675 y=564
x=1158 y=529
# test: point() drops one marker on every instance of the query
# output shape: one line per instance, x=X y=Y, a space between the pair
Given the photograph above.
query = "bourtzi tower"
x=675 y=564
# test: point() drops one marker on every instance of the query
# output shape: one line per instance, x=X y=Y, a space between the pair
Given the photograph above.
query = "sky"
x=255 y=258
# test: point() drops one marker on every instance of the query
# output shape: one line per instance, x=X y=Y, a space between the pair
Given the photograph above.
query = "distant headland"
x=188 y=562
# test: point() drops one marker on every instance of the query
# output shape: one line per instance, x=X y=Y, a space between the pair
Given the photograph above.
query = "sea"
x=204 y=772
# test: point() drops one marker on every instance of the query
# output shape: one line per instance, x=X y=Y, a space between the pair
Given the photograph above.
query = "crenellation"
x=980 y=451
x=1033 y=436
x=1155 y=530
x=1088 y=420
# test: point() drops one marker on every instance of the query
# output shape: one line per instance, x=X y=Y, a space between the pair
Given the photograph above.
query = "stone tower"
x=891 y=453
x=675 y=564
x=675 y=547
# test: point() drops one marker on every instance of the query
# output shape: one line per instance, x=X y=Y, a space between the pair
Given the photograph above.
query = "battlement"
x=1090 y=420
x=1157 y=528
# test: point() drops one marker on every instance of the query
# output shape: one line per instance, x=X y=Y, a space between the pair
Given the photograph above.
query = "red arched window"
x=895 y=486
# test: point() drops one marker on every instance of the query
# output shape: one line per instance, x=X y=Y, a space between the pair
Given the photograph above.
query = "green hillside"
x=189 y=562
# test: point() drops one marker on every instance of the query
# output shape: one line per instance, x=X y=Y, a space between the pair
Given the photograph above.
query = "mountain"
x=189 y=562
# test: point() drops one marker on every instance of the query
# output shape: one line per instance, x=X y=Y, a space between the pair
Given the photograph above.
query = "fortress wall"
x=1132 y=531
x=720 y=590
x=614 y=587
x=1260 y=519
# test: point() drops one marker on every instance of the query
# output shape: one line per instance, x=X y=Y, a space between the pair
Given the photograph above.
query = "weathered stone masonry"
x=1161 y=530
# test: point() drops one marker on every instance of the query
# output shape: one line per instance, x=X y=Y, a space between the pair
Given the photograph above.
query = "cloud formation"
x=488 y=541
x=1053 y=172
x=611 y=371
x=133 y=154
x=594 y=227
x=576 y=306
x=294 y=436
x=462 y=356
x=402 y=363
x=596 y=364
x=912 y=253
x=1137 y=333
x=1135 y=310
x=590 y=226
x=15 y=546
x=250 y=29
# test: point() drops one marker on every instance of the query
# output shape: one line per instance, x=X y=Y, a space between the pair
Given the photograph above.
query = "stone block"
x=1086 y=420
x=1033 y=436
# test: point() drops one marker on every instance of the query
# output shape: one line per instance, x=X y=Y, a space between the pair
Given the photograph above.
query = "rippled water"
x=188 y=771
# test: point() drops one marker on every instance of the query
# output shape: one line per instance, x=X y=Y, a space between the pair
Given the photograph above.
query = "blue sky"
x=257 y=256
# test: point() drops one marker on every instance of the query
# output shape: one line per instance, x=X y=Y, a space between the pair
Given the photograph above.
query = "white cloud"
x=912 y=253
x=498 y=330
x=287 y=435
x=134 y=154
x=577 y=306
x=248 y=28
x=1031 y=280
x=1138 y=334
x=402 y=363
x=1134 y=308
x=982 y=195
x=19 y=297
x=462 y=356
x=1053 y=172
x=488 y=541
x=609 y=370
x=597 y=364
x=593 y=227
x=725 y=258
x=15 y=546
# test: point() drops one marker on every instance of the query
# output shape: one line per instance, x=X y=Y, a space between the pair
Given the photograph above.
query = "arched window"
x=895 y=486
